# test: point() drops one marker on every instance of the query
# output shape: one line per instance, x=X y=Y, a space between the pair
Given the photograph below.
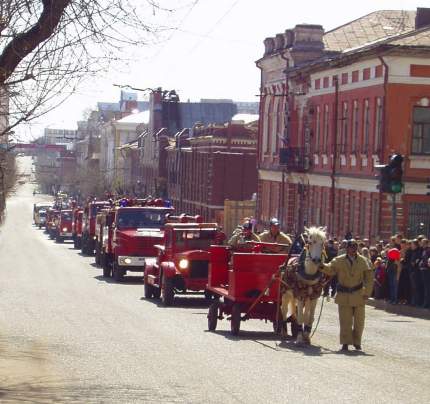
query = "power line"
x=175 y=30
x=213 y=27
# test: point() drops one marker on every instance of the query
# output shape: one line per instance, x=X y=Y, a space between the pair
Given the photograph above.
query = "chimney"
x=422 y=19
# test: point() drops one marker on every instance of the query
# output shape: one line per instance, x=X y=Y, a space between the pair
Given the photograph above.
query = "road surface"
x=67 y=335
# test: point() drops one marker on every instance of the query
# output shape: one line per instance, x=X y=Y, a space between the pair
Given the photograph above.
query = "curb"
x=401 y=309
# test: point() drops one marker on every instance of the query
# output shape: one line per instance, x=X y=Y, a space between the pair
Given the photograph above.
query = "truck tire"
x=106 y=267
x=148 y=290
x=235 y=319
x=167 y=292
x=59 y=239
x=213 y=315
x=117 y=273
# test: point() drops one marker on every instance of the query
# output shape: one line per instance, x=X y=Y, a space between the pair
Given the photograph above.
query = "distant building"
x=217 y=163
x=333 y=105
x=169 y=116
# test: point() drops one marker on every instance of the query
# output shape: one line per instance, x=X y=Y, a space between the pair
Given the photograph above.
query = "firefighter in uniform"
x=274 y=235
x=355 y=284
x=242 y=235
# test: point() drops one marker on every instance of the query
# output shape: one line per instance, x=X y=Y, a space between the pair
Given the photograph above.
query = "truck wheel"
x=148 y=290
x=213 y=315
x=156 y=292
x=97 y=257
x=59 y=239
x=167 y=292
x=106 y=267
x=117 y=273
x=235 y=319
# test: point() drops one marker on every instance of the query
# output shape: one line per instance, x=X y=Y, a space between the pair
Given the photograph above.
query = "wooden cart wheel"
x=213 y=316
x=235 y=319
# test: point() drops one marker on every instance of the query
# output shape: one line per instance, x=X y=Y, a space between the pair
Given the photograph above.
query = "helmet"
x=274 y=221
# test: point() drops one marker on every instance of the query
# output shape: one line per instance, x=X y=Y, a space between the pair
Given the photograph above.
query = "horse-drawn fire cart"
x=246 y=285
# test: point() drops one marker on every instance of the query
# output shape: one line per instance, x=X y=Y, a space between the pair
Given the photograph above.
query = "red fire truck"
x=63 y=228
x=89 y=225
x=51 y=222
x=77 y=227
x=183 y=259
x=130 y=231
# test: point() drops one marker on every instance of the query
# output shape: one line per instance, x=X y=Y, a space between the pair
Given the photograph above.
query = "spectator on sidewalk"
x=380 y=279
x=404 y=280
x=425 y=273
x=393 y=273
x=415 y=273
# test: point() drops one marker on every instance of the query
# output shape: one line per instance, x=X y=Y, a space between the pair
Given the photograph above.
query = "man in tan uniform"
x=274 y=235
x=355 y=284
x=241 y=236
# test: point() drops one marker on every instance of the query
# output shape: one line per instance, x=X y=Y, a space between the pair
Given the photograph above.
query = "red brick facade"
x=217 y=163
x=333 y=121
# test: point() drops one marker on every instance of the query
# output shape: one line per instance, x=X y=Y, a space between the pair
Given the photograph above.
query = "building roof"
x=244 y=118
x=368 y=29
x=140 y=117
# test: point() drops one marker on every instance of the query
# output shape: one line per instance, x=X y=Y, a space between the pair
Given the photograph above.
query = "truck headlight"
x=183 y=264
x=64 y=229
x=127 y=261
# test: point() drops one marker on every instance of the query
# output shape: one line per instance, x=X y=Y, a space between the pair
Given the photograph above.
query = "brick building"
x=167 y=117
x=211 y=164
x=334 y=104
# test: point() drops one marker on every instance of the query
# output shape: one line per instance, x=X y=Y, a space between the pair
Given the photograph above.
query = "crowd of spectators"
x=401 y=268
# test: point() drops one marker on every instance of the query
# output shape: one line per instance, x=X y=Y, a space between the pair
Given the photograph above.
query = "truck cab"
x=89 y=225
x=51 y=222
x=132 y=230
x=39 y=213
x=77 y=227
x=64 y=226
x=182 y=261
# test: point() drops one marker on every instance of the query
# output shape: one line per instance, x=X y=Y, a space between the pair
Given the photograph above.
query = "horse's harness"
x=294 y=276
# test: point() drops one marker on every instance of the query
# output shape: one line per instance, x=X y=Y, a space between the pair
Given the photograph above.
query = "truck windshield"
x=195 y=239
x=95 y=209
x=42 y=213
x=66 y=215
x=134 y=219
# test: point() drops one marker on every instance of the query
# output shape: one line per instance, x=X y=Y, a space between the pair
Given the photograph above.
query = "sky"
x=209 y=52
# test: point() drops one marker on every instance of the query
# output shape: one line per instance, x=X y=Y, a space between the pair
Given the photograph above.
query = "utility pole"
x=393 y=214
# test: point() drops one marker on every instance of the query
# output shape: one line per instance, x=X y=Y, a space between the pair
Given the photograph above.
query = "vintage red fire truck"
x=63 y=226
x=77 y=214
x=183 y=259
x=130 y=231
x=51 y=222
x=89 y=225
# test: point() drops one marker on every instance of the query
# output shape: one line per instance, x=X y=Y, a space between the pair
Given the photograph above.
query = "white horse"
x=303 y=283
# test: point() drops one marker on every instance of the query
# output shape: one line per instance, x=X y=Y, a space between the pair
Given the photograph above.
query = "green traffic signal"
x=396 y=187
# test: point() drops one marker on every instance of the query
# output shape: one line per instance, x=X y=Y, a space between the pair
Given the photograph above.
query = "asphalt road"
x=67 y=335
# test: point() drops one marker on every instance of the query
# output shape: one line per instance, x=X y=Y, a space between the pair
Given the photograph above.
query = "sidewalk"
x=401 y=309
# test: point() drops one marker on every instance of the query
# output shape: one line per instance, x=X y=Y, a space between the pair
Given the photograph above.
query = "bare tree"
x=47 y=47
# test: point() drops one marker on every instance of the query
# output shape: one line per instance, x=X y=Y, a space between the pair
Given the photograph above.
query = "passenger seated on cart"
x=241 y=235
x=274 y=235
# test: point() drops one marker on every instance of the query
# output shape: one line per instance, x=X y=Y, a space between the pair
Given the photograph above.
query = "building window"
x=421 y=134
x=317 y=84
x=344 y=132
x=325 y=82
x=344 y=78
x=366 y=73
x=354 y=127
x=355 y=76
x=375 y=218
x=378 y=124
x=366 y=127
x=325 y=129
x=275 y=124
x=317 y=130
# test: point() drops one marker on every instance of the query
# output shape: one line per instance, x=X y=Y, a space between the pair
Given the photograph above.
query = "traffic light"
x=390 y=180
x=396 y=173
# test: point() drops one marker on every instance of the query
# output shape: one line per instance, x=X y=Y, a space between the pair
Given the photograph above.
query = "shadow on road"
x=182 y=302
x=54 y=390
x=128 y=280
